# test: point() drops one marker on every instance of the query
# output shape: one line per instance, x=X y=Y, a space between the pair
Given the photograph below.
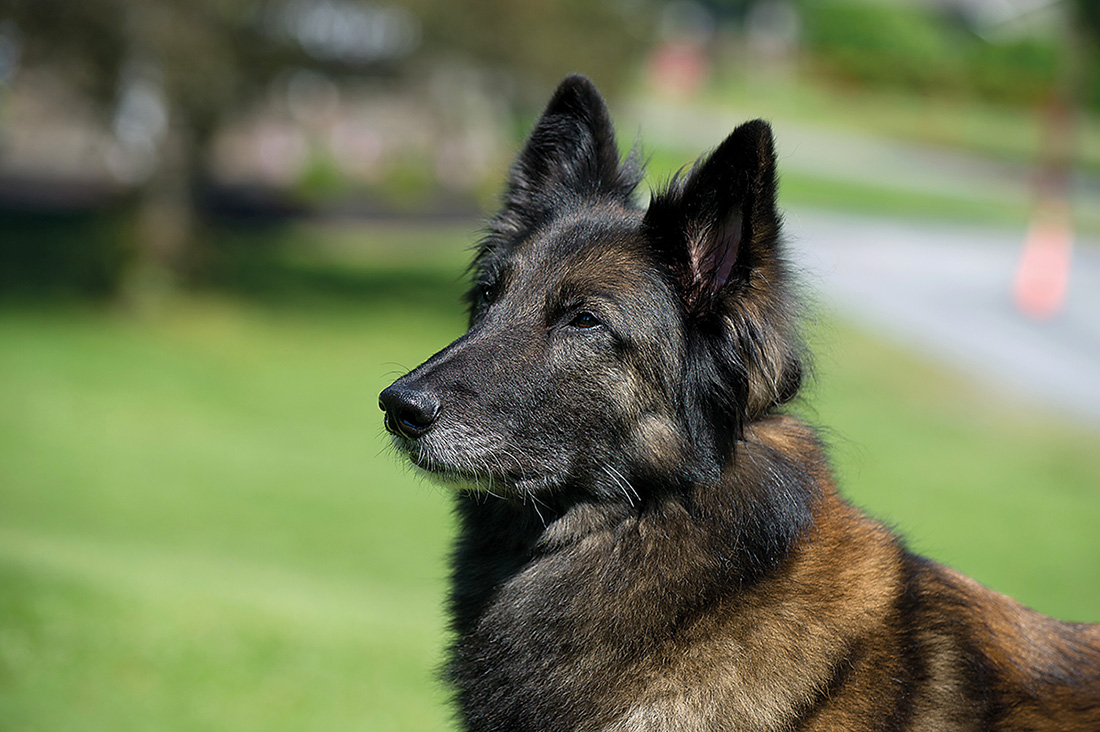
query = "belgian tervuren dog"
x=647 y=542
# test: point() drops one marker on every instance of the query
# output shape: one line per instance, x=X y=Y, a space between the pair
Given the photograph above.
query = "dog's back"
x=646 y=541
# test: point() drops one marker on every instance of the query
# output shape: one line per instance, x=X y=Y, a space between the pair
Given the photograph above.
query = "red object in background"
x=678 y=68
x=1042 y=279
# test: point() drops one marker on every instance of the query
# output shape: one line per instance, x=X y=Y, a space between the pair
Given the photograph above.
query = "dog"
x=647 y=540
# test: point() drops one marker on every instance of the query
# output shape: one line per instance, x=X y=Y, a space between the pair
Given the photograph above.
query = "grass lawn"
x=813 y=191
x=200 y=527
x=936 y=121
x=986 y=128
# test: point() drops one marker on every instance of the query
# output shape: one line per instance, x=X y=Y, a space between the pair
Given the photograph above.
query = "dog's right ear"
x=571 y=152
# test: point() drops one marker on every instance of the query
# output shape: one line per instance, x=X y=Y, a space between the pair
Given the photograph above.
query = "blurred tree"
x=1088 y=39
x=538 y=43
x=1090 y=16
x=164 y=72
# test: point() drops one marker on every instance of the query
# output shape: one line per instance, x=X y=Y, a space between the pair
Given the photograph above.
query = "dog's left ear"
x=717 y=225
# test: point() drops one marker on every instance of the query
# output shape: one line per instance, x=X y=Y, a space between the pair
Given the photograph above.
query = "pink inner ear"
x=727 y=242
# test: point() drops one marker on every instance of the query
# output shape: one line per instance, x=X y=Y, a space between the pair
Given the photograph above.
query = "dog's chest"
x=555 y=650
x=562 y=637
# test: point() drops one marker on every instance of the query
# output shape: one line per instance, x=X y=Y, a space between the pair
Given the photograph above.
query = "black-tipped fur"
x=571 y=156
x=718 y=231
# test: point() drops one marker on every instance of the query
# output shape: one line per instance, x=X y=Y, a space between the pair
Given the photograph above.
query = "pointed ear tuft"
x=572 y=150
x=717 y=224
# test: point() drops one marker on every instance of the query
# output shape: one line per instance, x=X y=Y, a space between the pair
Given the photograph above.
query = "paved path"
x=947 y=290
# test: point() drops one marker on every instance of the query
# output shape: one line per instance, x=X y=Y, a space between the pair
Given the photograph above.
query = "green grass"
x=807 y=190
x=1002 y=132
x=948 y=123
x=801 y=189
x=200 y=527
x=1001 y=491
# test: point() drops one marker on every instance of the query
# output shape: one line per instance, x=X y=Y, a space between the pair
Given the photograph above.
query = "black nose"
x=409 y=412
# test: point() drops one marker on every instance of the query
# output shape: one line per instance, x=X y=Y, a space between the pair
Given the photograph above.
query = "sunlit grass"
x=938 y=122
x=958 y=122
x=1002 y=491
x=201 y=528
x=834 y=194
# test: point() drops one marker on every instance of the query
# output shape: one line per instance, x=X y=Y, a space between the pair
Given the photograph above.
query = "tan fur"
x=758 y=661
x=657 y=433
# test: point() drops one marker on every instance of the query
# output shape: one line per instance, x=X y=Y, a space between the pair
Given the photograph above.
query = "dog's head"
x=612 y=351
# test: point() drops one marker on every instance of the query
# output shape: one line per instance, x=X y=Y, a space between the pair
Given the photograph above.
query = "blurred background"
x=225 y=225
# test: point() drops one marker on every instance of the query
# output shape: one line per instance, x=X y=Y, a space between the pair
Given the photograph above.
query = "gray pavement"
x=947 y=290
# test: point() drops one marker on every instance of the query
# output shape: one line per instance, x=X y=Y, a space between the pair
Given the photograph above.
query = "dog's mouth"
x=474 y=470
x=488 y=472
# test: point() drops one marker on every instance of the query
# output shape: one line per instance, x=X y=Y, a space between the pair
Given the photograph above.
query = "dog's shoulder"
x=1028 y=670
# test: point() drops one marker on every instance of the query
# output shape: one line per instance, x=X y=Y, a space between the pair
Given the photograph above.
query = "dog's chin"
x=466 y=482
x=470 y=476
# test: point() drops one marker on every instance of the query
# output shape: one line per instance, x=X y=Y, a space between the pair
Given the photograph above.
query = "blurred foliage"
x=213 y=53
x=540 y=42
x=915 y=48
x=207 y=60
x=63 y=255
x=1087 y=25
x=185 y=64
x=207 y=53
x=880 y=44
x=211 y=59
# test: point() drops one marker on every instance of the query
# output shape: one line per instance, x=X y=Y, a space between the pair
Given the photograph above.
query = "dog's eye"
x=585 y=321
x=486 y=294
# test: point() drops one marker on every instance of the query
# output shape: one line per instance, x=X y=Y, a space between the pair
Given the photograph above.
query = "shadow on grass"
x=278 y=277
x=64 y=255
x=54 y=258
